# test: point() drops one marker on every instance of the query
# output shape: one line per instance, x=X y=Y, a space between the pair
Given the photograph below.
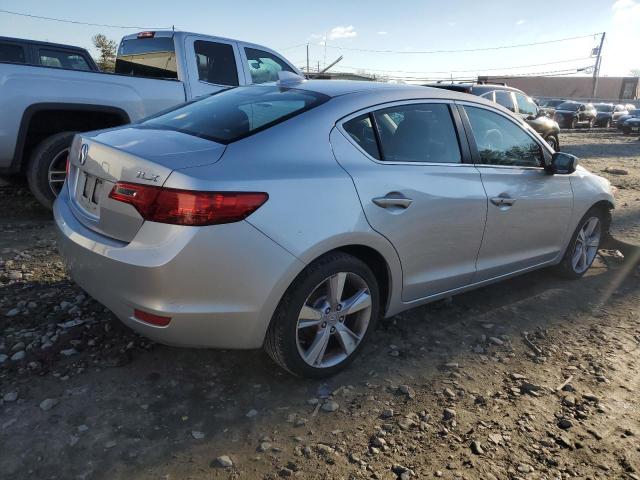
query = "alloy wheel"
x=333 y=320
x=57 y=171
x=586 y=246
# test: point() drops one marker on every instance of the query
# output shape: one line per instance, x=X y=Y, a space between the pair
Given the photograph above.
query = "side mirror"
x=562 y=164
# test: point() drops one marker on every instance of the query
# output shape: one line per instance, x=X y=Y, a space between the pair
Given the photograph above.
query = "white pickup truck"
x=44 y=106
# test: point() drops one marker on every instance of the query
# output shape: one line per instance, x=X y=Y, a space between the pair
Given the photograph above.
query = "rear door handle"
x=387 y=202
x=503 y=201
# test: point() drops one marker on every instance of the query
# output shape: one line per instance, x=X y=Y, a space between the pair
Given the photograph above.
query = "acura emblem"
x=82 y=155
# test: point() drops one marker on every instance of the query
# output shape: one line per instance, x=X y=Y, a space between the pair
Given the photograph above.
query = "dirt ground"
x=532 y=378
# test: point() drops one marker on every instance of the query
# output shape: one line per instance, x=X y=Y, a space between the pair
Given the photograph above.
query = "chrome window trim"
x=546 y=150
x=373 y=108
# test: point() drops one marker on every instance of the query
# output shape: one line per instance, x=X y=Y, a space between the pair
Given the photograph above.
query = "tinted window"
x=505 y=99
x=264 y=66
x=62 y=59
x=216 y=63
x=11 y=53
x=361 y=130
x=502 y=142
x=526 y=106
x=237 y=112
x=418 y=133
x=570 y=106
x=147 y=57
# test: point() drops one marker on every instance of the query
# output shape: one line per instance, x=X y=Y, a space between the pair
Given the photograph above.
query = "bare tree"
x=107 y=49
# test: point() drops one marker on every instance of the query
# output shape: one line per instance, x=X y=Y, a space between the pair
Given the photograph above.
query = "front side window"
x=505 y=99
x=526 y=106
x=153 y=57
x=11 y=53
x=216 y=63
x=236 y=113
x=418 y=133
x=264 y=66
x=502 y=142
x=62 y=59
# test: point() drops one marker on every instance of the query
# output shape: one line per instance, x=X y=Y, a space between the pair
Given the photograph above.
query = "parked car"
x=631 y=125
x=45 y=54
x=622 y=119
x=574 y=114
x=630 y=107
x=603 y=115
x=294 y=215
x=515 y=100
x=45 y=107
x=548 y=107
x=619 y=111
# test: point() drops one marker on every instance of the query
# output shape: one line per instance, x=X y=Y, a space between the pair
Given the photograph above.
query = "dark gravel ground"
x=535 y=377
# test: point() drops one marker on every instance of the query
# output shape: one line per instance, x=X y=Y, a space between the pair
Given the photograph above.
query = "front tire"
x=46 y=171
x=584 y=245
x=325 y=317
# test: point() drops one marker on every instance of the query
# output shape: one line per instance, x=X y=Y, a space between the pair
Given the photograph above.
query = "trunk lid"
x=129 y=154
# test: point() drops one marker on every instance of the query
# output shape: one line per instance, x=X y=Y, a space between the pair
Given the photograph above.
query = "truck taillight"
x=146 y=34
x=187 y=207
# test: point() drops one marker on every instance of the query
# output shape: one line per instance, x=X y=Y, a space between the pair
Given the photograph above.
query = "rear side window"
x=147 y=57
x=264 y=66
x=62 y=59
x=237 y=112
x=418 y=133
x=11 y=53
x=502 y=142
x=216 y=63
x=361 y=130
x=505 y=99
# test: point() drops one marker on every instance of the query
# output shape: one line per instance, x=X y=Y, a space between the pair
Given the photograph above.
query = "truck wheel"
x=47 y=167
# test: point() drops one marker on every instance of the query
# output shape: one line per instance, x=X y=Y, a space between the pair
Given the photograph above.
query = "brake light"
x=187 y=207
x=151 y=318
x=146 y=34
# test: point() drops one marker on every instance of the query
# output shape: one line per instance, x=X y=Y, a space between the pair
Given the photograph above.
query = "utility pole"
x=307 y=59
x=596 y=69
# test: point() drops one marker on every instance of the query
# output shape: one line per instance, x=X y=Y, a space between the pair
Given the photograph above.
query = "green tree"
x=107 y=50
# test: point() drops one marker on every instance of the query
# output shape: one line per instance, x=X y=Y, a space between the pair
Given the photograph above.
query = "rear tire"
x=290 y=344
x=583 y=246
x=46 y=170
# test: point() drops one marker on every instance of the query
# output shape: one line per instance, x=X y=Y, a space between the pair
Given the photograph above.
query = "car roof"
x=41 y=43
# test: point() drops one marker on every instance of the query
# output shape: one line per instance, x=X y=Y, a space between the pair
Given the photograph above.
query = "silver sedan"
x=292 y=216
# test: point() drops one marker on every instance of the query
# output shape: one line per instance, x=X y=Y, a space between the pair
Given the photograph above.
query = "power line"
x=473 y=69
x=77 y=22
x=425 y=52
x=552 y=73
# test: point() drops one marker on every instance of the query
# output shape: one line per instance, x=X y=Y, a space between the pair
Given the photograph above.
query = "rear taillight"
x=151 y=318
x=146 y=34
x=187 y=207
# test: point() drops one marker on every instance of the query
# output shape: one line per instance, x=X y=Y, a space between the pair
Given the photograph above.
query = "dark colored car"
x=45 y=54
x=515 y=100
x=631 y=125
x=603 y=117
x=549 y=106
x=574 y=114
x=624 y=118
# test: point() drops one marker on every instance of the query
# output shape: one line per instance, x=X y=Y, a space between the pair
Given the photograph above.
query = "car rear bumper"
x=218 y=284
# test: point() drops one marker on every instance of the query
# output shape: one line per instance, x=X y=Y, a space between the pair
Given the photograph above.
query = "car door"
x=529 y=210
x=418 y=188
x=213 y=67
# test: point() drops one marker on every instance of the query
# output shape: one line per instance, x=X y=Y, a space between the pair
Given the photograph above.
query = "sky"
x=347 y=27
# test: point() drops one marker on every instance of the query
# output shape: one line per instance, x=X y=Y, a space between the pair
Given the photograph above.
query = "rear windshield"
x=236 y=113
x=568 y=106
x=147 y=57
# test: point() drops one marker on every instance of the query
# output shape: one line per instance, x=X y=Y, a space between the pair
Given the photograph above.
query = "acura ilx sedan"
x=293 y=215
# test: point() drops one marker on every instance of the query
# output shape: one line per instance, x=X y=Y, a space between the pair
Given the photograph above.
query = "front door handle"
x=503 y=201
x=387 y=202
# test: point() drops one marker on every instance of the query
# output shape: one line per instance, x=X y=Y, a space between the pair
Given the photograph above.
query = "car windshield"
x=551 y=103
x=568 y=106
x=604 y=108
x=236 y=113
